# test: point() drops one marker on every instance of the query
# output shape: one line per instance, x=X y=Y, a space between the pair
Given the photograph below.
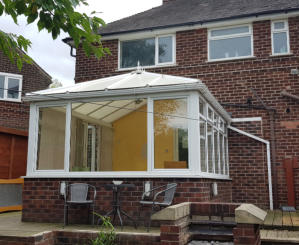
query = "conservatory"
x=138 y=124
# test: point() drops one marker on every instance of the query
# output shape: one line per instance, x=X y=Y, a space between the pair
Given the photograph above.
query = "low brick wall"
x=43 y=203
x=78 y=238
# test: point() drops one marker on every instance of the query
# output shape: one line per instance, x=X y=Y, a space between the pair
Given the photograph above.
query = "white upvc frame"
x=157 y=64
x=13 y=76
x=284 y=30
x=194 y=170
x=225 y=37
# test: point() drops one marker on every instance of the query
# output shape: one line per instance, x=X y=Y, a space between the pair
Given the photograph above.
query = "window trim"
x=13 y=76
x=194 y=170
x=157 y=64
x=286 y=30
x=224 y=37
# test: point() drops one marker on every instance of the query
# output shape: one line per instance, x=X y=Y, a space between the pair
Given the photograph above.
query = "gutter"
x=110 y=93
x=267 y=143
x=194 y=24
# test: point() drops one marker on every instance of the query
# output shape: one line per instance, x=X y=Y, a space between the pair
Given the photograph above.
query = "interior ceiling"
x=106 y=111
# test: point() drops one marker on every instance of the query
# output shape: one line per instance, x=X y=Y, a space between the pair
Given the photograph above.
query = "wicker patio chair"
x=168 y=191
x=77 y=194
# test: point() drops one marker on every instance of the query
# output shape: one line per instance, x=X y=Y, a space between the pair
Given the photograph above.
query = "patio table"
x=116 y=204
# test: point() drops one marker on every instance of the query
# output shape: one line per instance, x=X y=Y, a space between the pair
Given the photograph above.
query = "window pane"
x=216 y=152
x=170 y=133
x=109 y=136
x=221 y=153
x=280 y=42
x=51 y=138
x=225 y=156
x=229 y=48
x=165 y=49
x=203 y=163
x=13 y=88
x=279 y=25
x=138 y=50
x=230 y=31
x=2 y=78
x=201 y=108
x=210 y=148
x=210 y=113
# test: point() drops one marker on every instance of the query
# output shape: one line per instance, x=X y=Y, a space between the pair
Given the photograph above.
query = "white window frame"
x=157 y=64
x=13 y=76
x=286 y=30
x=223 y=37
x=194 y=168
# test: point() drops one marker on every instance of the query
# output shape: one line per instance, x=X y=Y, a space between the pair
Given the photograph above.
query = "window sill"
x=11 y=100
x=281 y=55
x=146 y=67
x=231 y=59
x=125 y=175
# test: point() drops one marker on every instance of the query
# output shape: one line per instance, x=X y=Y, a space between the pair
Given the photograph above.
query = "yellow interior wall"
x=130 y=142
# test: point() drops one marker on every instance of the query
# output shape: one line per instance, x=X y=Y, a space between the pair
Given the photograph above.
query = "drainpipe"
x=267 y=143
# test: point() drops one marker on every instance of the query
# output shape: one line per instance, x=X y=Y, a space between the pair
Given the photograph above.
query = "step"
x=211 y=235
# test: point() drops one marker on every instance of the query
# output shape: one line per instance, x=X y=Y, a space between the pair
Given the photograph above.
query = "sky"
x=54 y=55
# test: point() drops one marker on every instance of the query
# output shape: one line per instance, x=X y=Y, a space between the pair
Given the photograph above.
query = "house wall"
x=42 y=201
x=14 y=114
x=230 y=82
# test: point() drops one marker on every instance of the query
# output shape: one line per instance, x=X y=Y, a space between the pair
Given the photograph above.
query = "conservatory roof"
x=136 y=83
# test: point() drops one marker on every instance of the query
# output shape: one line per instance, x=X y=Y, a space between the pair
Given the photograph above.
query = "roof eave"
x=104 y=35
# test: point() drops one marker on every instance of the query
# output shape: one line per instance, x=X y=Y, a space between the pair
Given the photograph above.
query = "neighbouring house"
x=14 y=113
x=216 y=110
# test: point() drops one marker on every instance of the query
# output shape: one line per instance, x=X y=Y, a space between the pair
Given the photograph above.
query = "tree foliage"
x=54 y=16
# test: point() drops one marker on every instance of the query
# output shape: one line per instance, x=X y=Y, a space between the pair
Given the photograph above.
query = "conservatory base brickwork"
x=42 y=201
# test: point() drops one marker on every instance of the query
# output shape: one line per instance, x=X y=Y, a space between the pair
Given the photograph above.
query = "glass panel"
x=210 y=148
x=138 y=50
x=279 y=25
x=215 y=120
x=210 y=113
x=203 y=163
x=111 y=137
x=51 y=138
x=225 y=156
x=13 y=88
x=280 y=42
x=171 y=133
x=165 y=49
x=230 y=31
x=2 y=79
x=231 y=47
x=216 y=152
x=201 y=108
x=221 y=153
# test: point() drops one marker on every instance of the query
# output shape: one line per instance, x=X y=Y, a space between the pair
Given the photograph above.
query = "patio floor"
x=11 y=225
x=282 y=220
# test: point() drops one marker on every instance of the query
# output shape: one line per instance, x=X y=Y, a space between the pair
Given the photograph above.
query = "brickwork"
x=43 y=203
x=230 y=82
x=14 y=114
x=245 y=234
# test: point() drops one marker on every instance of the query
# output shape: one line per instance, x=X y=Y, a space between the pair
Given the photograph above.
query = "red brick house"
x=14 y=113
x=245 y=53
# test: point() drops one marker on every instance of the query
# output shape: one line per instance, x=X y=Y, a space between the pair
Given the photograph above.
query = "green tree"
x=54 y=16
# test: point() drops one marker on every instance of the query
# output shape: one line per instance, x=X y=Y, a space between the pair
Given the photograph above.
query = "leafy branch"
x=54 y=16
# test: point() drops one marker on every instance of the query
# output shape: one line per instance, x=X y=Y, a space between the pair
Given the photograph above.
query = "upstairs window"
x=10 y=87
x=230 y=43
x=148 y=52
x=280 y=37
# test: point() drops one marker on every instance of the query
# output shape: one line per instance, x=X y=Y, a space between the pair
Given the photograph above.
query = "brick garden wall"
x=230 y=82
x=14 y=114
x=42 y=202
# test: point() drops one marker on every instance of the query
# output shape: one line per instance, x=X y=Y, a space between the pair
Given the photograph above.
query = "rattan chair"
x=168 y=191
x=77 y=194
